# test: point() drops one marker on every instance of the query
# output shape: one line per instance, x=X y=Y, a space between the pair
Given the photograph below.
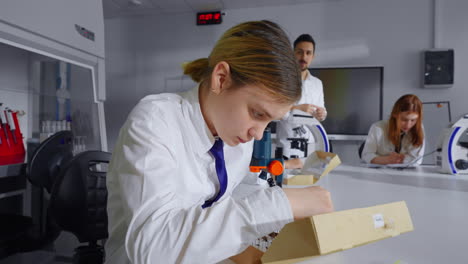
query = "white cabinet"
x=56 y=76
x=59 y=20
x=40 y=42
x=53 y=94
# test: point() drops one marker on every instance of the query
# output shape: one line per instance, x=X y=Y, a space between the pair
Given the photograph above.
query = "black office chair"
x=20 y=233
x=78 y=203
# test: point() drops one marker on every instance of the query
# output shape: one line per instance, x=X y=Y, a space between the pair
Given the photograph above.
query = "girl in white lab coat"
x=168 y=200
x=399 y=139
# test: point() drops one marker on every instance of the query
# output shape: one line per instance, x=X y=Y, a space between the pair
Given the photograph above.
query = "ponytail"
x=197 y=69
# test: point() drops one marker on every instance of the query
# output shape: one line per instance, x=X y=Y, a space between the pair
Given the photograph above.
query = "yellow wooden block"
x=341 y=230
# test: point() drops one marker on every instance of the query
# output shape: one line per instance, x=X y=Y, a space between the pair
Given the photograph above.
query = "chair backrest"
x=79 y=196
x=46 y=161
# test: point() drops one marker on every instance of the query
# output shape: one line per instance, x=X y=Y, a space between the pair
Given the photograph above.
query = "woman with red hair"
x=399 y=139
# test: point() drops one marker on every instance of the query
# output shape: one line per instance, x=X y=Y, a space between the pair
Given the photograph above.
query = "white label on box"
x=378 y=221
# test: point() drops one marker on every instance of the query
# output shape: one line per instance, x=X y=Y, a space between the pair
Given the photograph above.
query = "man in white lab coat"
x=311 y=102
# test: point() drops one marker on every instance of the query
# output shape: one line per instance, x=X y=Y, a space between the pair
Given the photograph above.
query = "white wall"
x=144 y=53
x=122 y=91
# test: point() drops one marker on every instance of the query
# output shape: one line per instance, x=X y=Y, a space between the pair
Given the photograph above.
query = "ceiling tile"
x=205 y=5
x=172 y=6
x=134 y=4
x=115 y=8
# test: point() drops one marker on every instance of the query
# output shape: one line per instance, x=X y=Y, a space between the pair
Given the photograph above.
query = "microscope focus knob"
x=461 y=164
x=276 y=167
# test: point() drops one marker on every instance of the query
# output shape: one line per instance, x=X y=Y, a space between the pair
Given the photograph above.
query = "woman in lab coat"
x=399 y=139
x=167 y=202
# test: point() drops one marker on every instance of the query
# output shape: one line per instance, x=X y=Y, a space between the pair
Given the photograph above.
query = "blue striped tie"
x=217 y=152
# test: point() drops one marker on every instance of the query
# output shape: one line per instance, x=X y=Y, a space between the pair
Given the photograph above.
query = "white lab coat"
x=162 y=172
x=378 y=144
x=312 y=93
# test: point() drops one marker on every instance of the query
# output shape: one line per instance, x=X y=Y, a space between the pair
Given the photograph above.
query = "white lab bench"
x=438 y=204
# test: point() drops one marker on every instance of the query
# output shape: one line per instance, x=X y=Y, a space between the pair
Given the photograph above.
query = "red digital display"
x=209 y=18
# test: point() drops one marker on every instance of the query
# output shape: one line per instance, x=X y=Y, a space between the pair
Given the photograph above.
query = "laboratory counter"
x=437 y=204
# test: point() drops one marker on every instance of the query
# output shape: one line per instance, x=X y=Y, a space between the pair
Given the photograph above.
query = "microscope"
x=306 y=141
x=263 y=162
x=453 y=157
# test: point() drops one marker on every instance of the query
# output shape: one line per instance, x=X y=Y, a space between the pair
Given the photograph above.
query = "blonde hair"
x=258 y=52
x=406 y=103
